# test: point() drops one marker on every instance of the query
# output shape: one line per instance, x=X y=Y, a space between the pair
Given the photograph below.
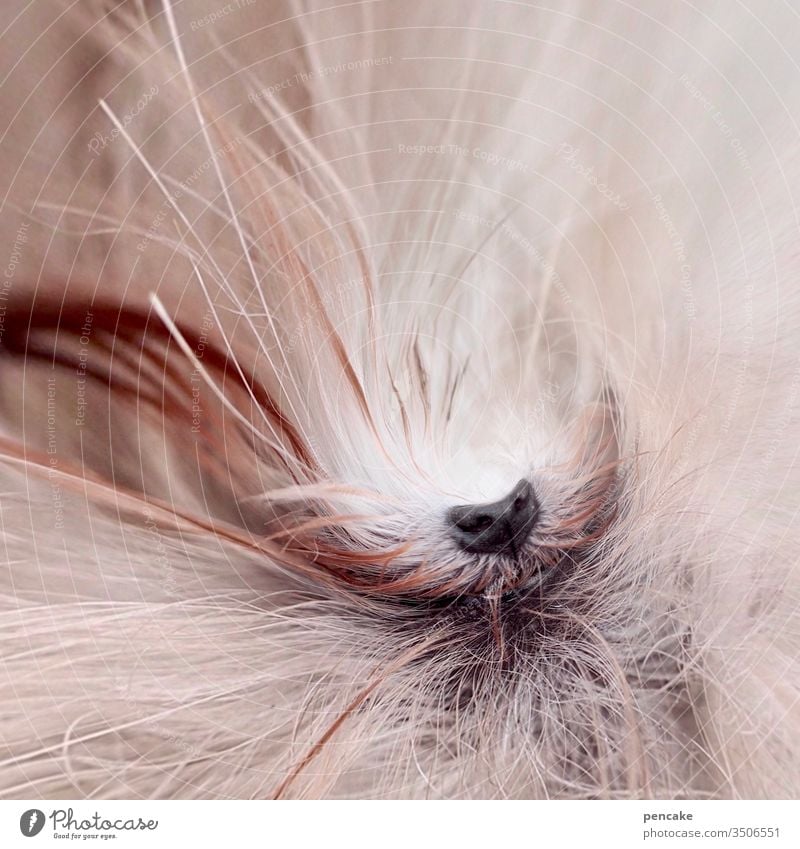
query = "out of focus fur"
x=283 y=283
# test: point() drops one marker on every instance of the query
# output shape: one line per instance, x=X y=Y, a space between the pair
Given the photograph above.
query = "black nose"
x=502 y=526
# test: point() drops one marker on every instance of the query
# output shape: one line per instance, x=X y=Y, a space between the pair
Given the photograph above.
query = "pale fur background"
x=602 y=240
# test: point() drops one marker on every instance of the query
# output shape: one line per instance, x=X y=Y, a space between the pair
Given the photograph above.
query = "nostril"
x=475 y=524
x=522 y=497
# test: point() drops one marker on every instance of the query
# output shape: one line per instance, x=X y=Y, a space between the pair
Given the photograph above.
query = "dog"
x=398 y=401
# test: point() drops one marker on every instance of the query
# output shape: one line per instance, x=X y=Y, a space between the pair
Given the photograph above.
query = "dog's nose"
x=502 y=526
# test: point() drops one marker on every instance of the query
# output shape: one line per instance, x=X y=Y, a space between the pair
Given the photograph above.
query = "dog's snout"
x=501 y=526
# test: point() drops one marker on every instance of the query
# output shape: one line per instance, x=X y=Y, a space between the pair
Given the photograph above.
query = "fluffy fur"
x=285 y=282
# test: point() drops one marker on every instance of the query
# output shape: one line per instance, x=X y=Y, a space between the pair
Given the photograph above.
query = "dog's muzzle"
x=500 y=527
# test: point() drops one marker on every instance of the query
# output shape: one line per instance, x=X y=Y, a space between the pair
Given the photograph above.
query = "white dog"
x=399 y=400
